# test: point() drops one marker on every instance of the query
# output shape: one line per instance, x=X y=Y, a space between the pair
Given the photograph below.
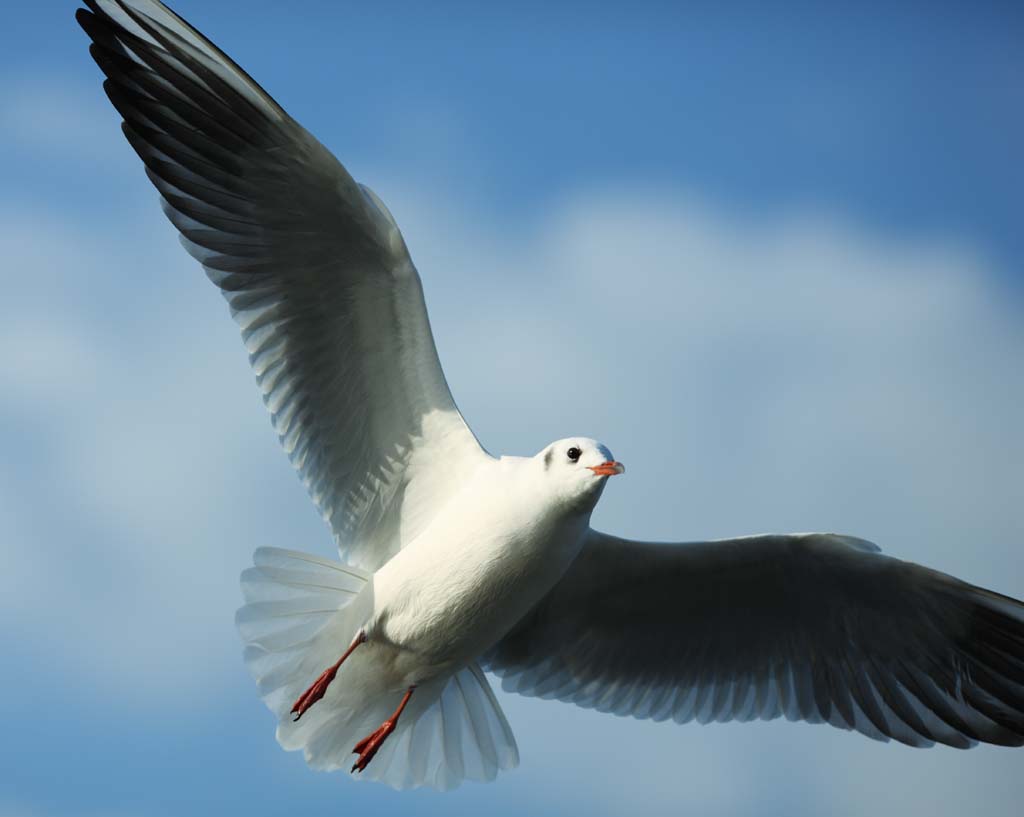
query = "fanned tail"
x=300 y=611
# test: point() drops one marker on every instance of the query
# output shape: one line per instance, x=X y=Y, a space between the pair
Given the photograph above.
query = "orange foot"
x=316 y=692
x=368 y=746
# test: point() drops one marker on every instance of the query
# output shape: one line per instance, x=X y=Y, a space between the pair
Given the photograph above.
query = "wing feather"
x=314 y=270
x=812 y=627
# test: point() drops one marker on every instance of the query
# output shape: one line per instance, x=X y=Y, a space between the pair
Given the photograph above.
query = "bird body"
x=492 y=553
x=455 y=562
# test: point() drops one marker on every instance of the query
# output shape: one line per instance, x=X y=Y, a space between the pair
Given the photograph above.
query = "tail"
x=298 y=613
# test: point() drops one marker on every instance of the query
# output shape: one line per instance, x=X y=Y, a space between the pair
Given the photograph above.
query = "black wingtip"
x=98 y=26
x=86 y=19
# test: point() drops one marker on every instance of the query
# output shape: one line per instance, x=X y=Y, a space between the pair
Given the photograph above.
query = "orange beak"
x=608 y=469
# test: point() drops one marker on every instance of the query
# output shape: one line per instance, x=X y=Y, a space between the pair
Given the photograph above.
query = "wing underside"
x=315 y=272
x=813 y=627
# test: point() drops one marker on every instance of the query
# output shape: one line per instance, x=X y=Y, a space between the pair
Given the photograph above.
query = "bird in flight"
x=456 y=562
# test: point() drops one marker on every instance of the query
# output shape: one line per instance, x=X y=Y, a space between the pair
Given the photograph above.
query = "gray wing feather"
x=813 y=627
x=313 y=267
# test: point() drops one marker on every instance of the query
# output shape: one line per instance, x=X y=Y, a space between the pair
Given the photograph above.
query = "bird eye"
x=574 y=453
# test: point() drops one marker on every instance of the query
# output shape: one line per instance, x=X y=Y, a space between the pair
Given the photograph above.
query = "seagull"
x=456 y=562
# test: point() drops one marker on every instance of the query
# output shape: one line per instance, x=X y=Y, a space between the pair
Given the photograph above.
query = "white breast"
x=484 y=561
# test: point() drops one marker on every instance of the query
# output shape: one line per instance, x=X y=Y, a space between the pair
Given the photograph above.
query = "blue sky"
x=782 y=246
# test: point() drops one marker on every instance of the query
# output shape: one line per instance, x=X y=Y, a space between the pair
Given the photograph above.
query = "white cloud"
x=42 y=362
x=789 y=373
x=62 y=120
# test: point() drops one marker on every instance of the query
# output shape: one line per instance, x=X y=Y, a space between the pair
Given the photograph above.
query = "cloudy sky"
x=770 y=258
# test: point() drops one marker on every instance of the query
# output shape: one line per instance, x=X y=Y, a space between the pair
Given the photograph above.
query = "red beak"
x=608 y=469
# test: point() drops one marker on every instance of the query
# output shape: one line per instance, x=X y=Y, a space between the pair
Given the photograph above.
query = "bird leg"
x=316 y=692
x=368 y=746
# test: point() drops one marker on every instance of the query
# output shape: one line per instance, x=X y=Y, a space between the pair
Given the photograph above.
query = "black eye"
x=574 y=453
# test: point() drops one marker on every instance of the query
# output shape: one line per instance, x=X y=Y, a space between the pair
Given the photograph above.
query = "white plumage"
x=456 y=561
x=299 y=608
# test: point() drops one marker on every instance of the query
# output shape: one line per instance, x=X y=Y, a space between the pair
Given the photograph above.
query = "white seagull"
x=455 y=561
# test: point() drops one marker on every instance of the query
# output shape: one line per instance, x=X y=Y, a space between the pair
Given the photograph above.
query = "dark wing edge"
x=313 y=266
x=813 y=627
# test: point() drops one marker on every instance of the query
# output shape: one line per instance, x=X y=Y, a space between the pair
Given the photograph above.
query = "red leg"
x=368 y=746
x=316 y=692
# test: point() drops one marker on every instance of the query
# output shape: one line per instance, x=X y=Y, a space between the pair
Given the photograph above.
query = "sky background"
x=770 y=257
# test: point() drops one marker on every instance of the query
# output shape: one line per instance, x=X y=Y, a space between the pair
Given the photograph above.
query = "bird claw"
x=319 y=688
x=314 y=693
x=368 y=746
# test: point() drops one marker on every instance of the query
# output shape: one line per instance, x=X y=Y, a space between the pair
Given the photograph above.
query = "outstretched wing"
x=816 y=627
x=314 y=269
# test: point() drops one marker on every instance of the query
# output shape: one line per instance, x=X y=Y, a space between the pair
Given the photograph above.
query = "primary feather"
x=815 y=627
x=314 y=269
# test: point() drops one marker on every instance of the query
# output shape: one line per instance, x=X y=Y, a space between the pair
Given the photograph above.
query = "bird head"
x=577 y=469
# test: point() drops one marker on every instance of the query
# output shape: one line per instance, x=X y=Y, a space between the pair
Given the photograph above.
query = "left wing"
x=314 y=269
x=816 y=627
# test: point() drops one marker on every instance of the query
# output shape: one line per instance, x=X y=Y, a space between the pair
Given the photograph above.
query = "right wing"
x=814 y=626
x=314 y=269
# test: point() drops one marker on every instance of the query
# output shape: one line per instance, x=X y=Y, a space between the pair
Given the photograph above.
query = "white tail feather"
x=298 y=614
